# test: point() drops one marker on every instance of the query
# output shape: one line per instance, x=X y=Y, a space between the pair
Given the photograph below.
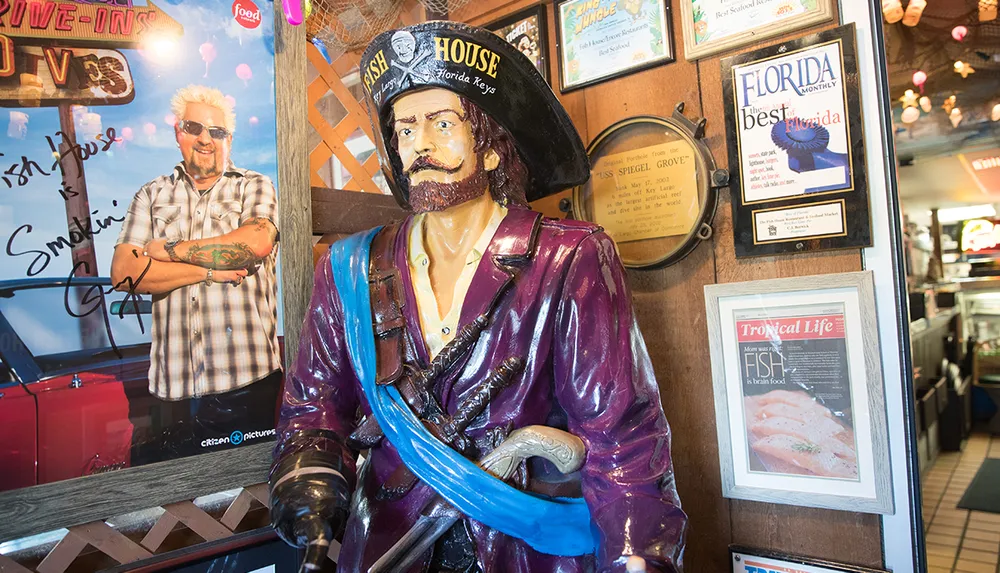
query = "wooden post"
x=77 y=203
x=93 y=333
x=294 y=197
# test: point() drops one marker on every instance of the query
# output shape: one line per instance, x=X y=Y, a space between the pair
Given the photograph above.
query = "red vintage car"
x=74 y=355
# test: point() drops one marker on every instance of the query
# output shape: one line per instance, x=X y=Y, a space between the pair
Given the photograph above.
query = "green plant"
x=806 y=447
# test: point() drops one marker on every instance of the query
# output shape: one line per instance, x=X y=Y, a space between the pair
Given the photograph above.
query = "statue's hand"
x=635 y=564
x=310 y=497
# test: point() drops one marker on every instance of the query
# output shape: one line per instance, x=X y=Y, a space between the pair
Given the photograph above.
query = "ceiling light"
x=914 y=8
x=955 y=116
x=964 y=69
x=955 y=214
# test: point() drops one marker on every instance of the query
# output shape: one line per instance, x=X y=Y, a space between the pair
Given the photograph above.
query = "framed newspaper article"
x=799 y=400
x=750 y=560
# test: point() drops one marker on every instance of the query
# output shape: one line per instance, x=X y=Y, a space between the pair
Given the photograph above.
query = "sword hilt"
x=561 y=448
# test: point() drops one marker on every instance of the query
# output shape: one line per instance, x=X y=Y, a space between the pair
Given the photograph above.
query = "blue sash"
x=555 y=526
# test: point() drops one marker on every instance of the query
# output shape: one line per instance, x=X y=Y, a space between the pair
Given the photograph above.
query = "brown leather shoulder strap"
x=386 y=289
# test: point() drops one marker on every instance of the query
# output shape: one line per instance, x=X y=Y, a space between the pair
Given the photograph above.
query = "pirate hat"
x=484 y=68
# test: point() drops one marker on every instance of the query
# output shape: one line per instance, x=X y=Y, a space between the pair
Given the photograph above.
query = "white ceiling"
x=940 y=182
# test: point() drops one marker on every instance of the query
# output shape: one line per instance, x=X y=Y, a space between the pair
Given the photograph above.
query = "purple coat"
x=569 y=315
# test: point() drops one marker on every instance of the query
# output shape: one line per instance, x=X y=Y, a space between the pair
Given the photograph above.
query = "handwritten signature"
x=21 y=172
x=83 y=231
x=93 y=299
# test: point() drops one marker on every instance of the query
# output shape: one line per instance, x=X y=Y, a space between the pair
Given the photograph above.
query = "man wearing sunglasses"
x=201 y=240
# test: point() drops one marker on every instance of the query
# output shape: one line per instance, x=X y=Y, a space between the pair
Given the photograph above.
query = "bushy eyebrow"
x=411 y=119
x=434 y=114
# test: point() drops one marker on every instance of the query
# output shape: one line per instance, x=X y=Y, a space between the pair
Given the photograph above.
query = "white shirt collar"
x=438 y=330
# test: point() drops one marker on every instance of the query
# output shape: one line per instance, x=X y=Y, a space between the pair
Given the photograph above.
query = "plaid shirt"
x=208 y=339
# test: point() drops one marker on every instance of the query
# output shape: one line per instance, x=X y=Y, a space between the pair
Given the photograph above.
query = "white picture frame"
x=752 y=560
x=723 y=25
x=799 y=398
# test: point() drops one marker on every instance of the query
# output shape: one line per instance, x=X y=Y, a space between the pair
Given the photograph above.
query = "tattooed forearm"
x=240 y=249
x=229 y=256
x=263 y=224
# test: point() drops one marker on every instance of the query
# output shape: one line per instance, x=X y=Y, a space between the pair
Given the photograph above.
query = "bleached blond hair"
x=207 y=96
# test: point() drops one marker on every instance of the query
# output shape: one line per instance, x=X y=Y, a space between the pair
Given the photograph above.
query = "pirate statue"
x=486 y=360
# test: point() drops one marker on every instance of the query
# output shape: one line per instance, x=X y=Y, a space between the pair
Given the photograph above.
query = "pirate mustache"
x=421 y=163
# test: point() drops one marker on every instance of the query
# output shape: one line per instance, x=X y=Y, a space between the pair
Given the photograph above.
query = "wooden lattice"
x=81 y=541
x=337 y=78
x=334 y=137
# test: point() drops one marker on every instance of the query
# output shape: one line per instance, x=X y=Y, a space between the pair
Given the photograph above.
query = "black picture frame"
x=668 y=40
x=852 y=203
x=541 y=24
x=798 y=560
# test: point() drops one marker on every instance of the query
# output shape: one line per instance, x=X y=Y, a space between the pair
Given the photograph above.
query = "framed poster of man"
x=138 y=283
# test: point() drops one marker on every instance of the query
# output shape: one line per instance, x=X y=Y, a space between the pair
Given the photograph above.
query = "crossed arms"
x=229 y=254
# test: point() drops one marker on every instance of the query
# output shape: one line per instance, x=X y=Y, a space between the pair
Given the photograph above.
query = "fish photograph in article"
x=796 y=392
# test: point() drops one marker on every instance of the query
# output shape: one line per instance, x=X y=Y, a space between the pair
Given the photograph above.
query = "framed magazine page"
x=526 y=31
x=795 y=135
x=750 y=560
x=799 y=400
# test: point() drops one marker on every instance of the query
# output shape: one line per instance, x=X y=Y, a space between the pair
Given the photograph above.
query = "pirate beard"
x=435 y=196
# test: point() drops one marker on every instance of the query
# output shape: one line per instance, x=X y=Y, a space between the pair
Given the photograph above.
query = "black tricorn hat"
x=484 y=68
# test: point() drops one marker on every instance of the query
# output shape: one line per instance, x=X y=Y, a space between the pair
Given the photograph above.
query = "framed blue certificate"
x=599 y=40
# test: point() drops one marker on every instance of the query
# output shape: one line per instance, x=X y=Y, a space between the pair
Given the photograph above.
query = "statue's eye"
x=404 y=132
x=444 y=124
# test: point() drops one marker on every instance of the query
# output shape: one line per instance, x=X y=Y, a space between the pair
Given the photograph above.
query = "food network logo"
x=246 y=13
x=237 y=438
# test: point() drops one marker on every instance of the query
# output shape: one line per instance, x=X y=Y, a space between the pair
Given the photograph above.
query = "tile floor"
x=960 y=541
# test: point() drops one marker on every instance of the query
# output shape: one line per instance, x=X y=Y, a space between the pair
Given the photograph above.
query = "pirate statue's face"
x=438 y=151
x=512 y=111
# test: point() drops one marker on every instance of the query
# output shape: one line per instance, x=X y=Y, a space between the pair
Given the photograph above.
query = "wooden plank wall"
x=671 y=310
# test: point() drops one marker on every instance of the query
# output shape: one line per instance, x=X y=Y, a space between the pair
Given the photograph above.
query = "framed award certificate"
x=796 y=146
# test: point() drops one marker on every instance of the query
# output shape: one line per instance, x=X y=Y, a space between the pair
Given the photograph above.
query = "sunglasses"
x=194 y=128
